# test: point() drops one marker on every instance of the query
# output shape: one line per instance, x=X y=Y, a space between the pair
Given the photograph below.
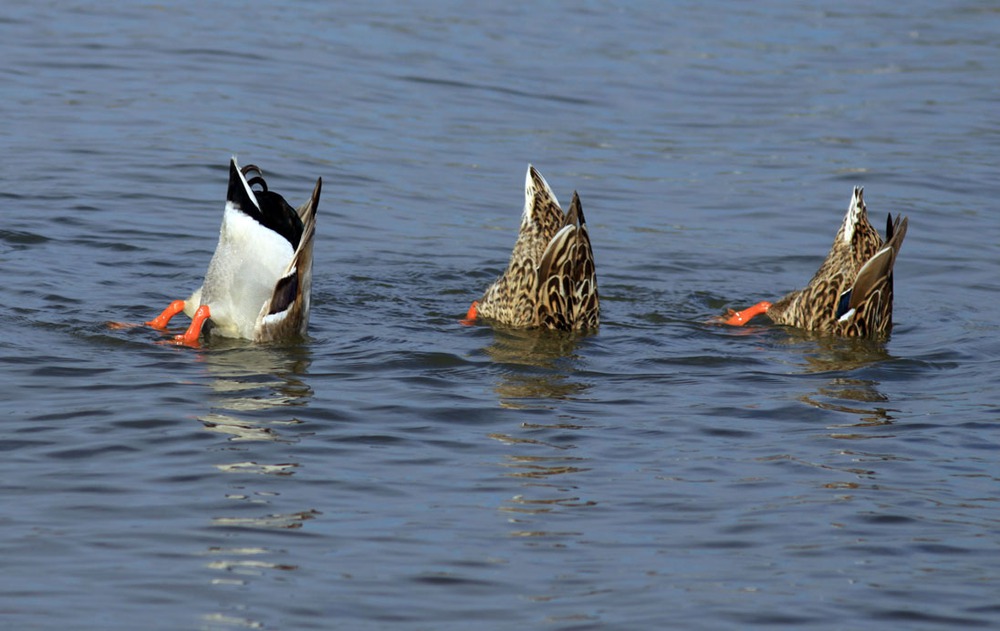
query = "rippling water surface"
x=399 y=470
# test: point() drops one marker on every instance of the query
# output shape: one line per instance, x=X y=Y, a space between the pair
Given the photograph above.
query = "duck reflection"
x=251 y=382
x=546 y=477
x=540 y=368
x=851 y=405
x=826 y=353
x=857 y=397
x=537 y=365
x=257 y=392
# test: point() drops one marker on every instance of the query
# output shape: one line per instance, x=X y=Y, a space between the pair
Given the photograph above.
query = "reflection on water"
x=252 y=467
x=245 y=565
x=257 y=392
x=543 y=467
x=287 y=521
x=843 y=395
x=864 y=407
x=253 y=379
x=854 y=396
x=538 y=365
x=826 y=353
x=542 y=460
x=219 y=621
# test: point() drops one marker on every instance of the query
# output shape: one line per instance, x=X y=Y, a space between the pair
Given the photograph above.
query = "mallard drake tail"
x=259 y=280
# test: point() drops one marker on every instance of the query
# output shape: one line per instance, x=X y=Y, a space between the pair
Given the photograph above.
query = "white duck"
x=259 y=280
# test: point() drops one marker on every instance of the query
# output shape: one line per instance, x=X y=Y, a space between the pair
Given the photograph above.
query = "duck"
x=551 y=280
x=851 y=293
x=259 y=280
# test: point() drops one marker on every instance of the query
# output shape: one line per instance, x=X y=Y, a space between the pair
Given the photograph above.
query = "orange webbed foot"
x=739 y=318
x=161 y=321
x=122 y=326
x=471 y=315
x=190 y=337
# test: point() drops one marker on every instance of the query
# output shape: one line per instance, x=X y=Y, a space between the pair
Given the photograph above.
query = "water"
x=399 y=470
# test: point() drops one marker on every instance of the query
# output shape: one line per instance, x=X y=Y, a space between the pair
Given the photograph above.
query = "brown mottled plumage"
x=851 y=293
x=550 y=281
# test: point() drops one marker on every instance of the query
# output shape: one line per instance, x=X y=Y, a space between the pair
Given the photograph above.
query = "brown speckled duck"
x=550 y=281
x=258 y=282
x=851 y=293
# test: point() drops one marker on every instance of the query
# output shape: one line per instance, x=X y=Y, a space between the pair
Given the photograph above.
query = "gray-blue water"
x=398 y=470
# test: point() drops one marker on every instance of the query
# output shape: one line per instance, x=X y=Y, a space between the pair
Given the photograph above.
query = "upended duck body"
x=851 y=293
x=551 y=280
x=259 y=280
